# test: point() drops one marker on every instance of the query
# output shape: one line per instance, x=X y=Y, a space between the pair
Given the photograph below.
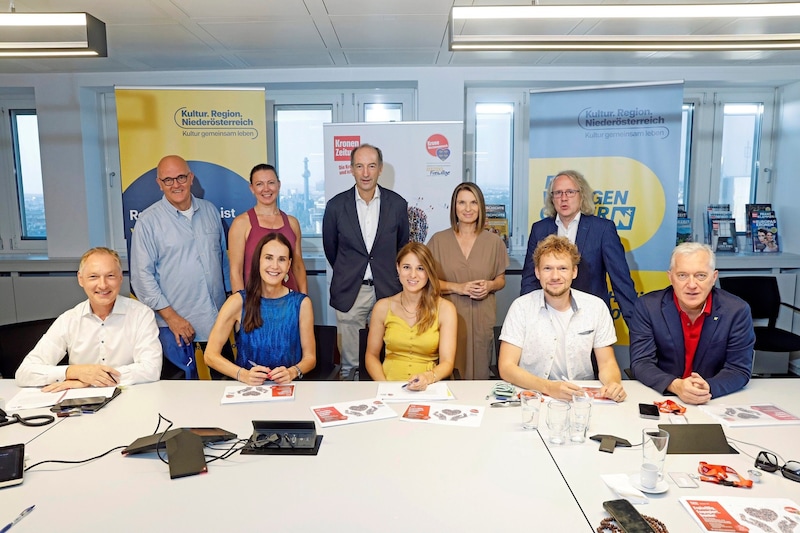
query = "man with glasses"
x=692 y=339
x=569 y=208
x=177 y=262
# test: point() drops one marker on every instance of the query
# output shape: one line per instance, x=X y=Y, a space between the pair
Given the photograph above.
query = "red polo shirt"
x=691 y=332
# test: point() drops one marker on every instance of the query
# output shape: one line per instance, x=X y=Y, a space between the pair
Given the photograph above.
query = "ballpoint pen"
x=405 y=386
x=22 y=515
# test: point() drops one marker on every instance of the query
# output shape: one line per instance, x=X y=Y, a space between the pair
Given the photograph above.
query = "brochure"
x=394 y=391
x=733 y=514
x=260 y=393
x=763 y=414
x=352 y=412
x=594 y=392
x=450 y=415
x=33 y=398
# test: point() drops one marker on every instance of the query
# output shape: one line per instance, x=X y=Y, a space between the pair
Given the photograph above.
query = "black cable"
x=754 y=446
x=158 y=444
x=75 y=462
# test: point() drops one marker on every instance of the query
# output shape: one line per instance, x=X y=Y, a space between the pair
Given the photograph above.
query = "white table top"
x=386 y=475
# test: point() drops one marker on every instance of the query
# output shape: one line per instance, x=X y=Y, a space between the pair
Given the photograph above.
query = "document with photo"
x=259 y=393
x=762 y=414
x=395 y=391
x=352 y=412
x=448 y=415
x=743 y=514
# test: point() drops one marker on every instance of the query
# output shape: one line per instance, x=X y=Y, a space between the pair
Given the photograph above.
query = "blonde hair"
x=99 y=250
x=429 y=302
x=553 y=244
x=584 y=190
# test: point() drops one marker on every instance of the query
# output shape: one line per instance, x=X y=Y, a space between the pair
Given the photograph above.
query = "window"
x=383 y=112
x=687 y=119
x=494 y=152
x=22 y=209
x=741 y=135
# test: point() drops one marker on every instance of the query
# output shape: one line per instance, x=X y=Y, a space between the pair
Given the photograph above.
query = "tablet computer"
x=12 y=464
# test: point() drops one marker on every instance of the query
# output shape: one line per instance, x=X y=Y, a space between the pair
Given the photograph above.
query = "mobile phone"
x=12 y=461
x=627 y=517
x=82 y=402
x=648 y=410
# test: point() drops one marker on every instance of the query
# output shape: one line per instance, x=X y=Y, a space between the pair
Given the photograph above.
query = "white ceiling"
x=145 y=35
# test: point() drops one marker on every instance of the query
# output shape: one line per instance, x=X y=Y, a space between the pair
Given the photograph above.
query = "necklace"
x=414 y=313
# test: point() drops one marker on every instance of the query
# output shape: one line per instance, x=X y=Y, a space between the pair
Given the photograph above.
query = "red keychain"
x=671 y=408
x=719 y=474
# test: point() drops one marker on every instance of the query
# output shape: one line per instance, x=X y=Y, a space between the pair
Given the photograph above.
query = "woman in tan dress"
x=471 y=264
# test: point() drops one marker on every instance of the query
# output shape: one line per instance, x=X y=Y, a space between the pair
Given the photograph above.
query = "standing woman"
x=471 y=264
x=274 y=325
x=417 y=326
x=248 y=228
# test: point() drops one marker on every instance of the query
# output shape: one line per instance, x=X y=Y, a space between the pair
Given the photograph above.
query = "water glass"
x=531 y=402
x=558 y=421
x=654 y=448
x=580 y=414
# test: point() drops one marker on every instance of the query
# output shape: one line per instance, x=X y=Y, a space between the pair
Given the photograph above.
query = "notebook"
x=696 y=438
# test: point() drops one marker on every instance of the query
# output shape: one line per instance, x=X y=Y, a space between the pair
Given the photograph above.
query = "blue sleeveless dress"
x=277 y=342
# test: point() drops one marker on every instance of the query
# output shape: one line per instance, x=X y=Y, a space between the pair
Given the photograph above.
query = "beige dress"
x=476 y=318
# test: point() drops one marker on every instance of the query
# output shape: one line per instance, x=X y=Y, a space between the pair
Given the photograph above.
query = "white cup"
x=648 y=475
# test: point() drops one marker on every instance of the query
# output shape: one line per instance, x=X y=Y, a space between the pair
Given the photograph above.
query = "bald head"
x=175 y=180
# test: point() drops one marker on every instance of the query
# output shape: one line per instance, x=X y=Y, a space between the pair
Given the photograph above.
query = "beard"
x=555 y=294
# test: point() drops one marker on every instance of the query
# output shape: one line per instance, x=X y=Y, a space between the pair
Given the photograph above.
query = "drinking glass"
x=580 y=414
x=654 y=448
x=558 y=421
x=530 y=401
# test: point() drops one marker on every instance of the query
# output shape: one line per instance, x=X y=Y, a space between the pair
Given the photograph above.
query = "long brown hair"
x=252 y=292
x=429 y=302
x=478 y=193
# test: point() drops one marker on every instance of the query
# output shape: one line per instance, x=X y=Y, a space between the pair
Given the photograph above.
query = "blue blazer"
x=347 y=253
x=724 y=356
x=601 y=253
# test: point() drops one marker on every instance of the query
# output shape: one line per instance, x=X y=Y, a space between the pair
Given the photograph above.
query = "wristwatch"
x=299 y=372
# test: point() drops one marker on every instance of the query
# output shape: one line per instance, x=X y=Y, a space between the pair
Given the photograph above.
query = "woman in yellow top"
x=417 y=326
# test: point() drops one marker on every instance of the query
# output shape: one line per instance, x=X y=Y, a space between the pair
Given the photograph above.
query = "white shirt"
x=529 y=325
x=368 y=214
x=126 y=340
x=570 y=231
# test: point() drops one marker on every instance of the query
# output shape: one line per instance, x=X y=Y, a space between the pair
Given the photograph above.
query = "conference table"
x=385 y=475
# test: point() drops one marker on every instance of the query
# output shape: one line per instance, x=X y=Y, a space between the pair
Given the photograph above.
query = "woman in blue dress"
x=274 y=326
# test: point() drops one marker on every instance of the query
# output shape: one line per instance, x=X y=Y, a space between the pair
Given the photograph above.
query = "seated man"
x=551 y=332
x=110 y=340
x=692 y=339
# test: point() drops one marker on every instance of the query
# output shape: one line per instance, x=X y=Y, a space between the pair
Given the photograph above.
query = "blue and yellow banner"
x=221 y=133
x=626 y=141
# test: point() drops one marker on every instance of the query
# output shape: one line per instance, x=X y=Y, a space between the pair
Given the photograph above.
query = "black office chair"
x=493 y=367
x=16 y=340
x=326 y=369
x=764 y=297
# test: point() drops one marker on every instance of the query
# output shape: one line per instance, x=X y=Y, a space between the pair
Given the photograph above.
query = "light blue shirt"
x=180 y=263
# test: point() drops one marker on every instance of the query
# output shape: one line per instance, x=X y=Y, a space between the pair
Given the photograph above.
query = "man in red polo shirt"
x=692 y=339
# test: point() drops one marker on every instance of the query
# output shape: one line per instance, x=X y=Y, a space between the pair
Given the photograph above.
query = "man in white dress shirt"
x=549 y=334
x=109 y=339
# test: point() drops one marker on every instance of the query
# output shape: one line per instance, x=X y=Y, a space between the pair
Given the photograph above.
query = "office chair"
x=326 y=369
x=764 y=298
x=16 y=340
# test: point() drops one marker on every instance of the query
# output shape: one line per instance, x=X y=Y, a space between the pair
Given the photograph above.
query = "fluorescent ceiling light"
x=52 y=35
x=481 y=27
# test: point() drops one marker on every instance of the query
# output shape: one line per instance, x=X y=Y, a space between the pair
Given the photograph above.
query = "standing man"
x=109 y=339
x=569 y=208
x=549 y=334
x=362 y=231
x=176 y=263
x=692 y=339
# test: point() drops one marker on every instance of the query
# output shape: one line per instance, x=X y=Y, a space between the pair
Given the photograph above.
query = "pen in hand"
x=254 y=364
x=405 y=386
x=22 y=515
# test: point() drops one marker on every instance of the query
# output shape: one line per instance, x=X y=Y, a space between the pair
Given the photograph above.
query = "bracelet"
x=237 y=373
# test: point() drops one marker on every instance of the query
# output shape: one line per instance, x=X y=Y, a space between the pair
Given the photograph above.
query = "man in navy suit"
x=569 y=208
x=362 y=231
x=692 y=339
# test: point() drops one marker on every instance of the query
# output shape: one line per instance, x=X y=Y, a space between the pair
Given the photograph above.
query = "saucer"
x=661 y=486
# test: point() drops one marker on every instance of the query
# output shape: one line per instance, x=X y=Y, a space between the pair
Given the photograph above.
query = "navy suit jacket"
x=347 y=253
x=724 y=356
x=601 y=253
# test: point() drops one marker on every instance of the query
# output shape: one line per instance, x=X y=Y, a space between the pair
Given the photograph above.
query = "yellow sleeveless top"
x=408 y=352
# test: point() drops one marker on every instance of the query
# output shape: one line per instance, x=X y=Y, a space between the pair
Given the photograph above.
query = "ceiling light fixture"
x=52 y=35
x=516 y=28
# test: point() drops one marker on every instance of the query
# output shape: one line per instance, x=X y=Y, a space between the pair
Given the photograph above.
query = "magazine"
x=352 y=412
x=714 y=212
x=762 y=414
x=764 y=227
x=748 y=214
x=260 y=393
x=734 y=514
x=684 y=233
x=723 y=236
x=448 y=415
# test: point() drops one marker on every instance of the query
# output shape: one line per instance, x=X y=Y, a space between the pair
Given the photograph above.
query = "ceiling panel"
x=390 y=31
x=285 y=59
x=378 y=58
x=285 y=34
x=243 y=9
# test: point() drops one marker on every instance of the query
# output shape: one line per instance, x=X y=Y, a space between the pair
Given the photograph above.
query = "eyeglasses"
x=698 y=276
x=569 y=193
x=769 y=463
x=180 y=179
